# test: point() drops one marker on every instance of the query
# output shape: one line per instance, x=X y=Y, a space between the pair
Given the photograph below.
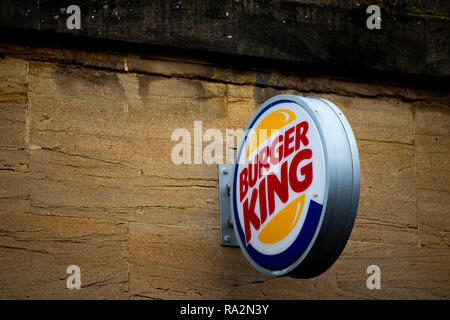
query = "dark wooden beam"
x=413 y=39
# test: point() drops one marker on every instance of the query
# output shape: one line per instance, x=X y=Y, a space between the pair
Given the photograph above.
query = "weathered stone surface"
x=175 y=64
x=240 y=106
x=434 y=211
x=178 y=262
x=98 y=155
x=13 y=98
x=116 y=105
x=432 y=143
x=431 y=120
x=36 y=251
x=433 y=162
x=383 y=128
x=170 y=68
x=406 y=272
x=65 y=184
x=14 y=184
x=87 y=57
x=382 y=120
x=103 y=144
x=14 y=187
x=176 y=67
x=348 y=88
x=13 y=80
x=387 y=210
x=12 y=125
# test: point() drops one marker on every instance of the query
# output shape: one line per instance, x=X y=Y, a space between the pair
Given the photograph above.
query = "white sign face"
x=281 y=170
x=279 y=186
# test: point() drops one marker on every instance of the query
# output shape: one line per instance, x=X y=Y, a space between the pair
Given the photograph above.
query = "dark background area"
x=413 y=38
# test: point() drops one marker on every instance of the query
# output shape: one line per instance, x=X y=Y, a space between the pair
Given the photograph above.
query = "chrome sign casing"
x=295 y=188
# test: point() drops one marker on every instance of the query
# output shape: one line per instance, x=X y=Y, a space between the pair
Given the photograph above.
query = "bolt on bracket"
x=227 y=234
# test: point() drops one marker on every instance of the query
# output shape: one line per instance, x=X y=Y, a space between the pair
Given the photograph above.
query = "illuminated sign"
x=295 y=187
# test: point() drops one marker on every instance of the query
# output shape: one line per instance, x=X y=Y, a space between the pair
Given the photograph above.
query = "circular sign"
x=295 y=188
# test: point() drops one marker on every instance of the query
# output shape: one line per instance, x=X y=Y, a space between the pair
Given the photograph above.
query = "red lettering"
x=263 y=160
x=300 y=134
x=253 y=172
x=276 y=150
x=288 y=138
x=262 y=201
x=280 y=187
x=270 y=185
x=297 y=185
x=250 y=216
x=243 y=184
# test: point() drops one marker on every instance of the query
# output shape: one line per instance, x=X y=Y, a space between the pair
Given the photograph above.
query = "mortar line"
x=128 y=259
x=27 y=133
x=415 y=173
x=27 y=114
x=224 y=81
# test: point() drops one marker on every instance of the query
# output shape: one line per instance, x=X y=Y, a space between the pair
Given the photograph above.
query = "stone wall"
x=86 y=178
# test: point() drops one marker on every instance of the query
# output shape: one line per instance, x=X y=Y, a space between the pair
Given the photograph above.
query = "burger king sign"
x=295 y=186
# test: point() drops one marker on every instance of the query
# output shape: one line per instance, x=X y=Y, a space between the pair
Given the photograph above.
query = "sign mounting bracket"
x=227 y=234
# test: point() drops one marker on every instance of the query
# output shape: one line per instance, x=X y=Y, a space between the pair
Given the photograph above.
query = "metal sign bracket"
x=227 y=234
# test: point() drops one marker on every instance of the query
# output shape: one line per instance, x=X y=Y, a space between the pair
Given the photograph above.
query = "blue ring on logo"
x=288 y=256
